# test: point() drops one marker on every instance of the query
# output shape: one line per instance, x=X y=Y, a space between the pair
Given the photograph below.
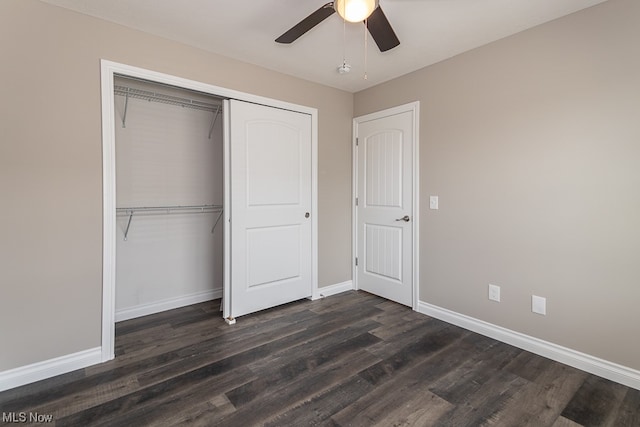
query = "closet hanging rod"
x=164 y=99
x=168 y=210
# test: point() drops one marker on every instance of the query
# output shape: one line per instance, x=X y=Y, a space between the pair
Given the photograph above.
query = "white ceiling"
x=429 y=31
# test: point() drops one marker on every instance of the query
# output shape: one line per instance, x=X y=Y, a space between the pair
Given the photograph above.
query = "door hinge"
x=356 y=261
x=356 y=201
x=357 y=140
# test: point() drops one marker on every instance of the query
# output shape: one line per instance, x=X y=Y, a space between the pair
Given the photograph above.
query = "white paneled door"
x=271 y=201
x=385 y=220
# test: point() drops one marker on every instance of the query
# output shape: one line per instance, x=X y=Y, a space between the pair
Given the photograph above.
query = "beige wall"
x=532 y=144
x=51 y=167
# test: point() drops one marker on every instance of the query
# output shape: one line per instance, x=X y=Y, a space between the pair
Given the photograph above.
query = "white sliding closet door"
x=271 y=203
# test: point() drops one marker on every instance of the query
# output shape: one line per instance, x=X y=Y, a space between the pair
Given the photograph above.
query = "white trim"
x=314 y=203
x=226 y=150
x=108 y=70
x=327 y=291
x=416 y=204
x=49 y=368
x=354 y=208
x=108 y=213
x=414 y=108
x=594 y=365
x=167 y=304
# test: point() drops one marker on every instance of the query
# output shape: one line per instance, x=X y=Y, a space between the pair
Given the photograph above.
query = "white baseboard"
x=49 y=368
x=167 y=304
x=594 y=365
x=332 y=290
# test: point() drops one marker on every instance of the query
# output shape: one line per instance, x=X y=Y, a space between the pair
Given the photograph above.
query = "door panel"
x=270 y=158
x=273 y=254
x=273 y=168
x=383 y=167
x=383 y=251
x=385 y=194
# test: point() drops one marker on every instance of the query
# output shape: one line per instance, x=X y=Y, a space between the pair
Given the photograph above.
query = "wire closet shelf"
x=163 y=98
x=155 y=210
x=148 y=95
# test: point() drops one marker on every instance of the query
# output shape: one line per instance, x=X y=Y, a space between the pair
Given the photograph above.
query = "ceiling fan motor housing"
x=355 y=10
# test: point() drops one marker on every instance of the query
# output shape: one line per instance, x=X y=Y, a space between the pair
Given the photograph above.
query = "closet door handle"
x=404 y=218
x=306 y=215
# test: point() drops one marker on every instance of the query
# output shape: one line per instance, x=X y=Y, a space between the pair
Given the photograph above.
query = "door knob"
x=306 y=215
x=404 y=218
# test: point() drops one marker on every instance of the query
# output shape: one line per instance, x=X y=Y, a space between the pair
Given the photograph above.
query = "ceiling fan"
x=352 y=11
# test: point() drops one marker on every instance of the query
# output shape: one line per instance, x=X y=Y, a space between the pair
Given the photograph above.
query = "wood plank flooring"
x=349 y=360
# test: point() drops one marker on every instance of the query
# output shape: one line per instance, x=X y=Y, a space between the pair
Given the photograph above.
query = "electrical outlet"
x=539 y=305
x=494 y=292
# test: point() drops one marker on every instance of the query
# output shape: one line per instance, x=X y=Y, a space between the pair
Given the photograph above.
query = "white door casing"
x=386 y=210
x=271 y=203
x=108 y=70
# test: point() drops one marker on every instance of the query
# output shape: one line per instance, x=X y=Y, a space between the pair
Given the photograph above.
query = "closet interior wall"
x=167 y=155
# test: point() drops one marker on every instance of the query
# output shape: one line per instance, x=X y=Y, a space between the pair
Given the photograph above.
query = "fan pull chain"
x=344 y=42
x=366 y=38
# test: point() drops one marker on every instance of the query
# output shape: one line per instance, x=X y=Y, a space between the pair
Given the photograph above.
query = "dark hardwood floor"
x=349 y=360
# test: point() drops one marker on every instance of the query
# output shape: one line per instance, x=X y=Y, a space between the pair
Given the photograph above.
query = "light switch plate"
x=538 y=305
x=433 y=202
x=494 y=292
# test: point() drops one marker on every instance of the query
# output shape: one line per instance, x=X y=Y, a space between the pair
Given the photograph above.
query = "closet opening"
x=169 y=179
x=181 y=263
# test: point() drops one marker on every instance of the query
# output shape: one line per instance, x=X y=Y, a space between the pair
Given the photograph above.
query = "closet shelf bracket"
x=124 y=115
x=213 y=122
x=126 y=232
x=217 y=220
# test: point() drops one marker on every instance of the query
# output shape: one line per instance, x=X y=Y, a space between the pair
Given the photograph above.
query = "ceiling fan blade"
x=307 y=23
x=381 y=31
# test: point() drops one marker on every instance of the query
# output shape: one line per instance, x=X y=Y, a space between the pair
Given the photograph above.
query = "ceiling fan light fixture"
x=355 y=10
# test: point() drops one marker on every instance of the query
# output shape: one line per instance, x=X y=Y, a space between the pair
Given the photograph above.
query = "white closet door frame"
x=108 y=70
